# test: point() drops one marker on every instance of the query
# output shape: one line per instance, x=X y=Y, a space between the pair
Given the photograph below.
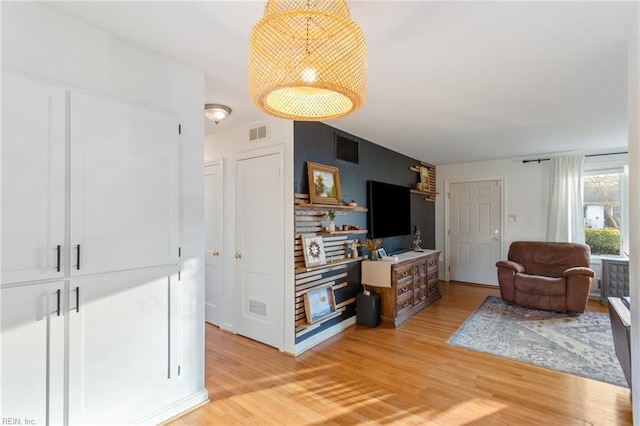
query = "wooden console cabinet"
x=405 y=287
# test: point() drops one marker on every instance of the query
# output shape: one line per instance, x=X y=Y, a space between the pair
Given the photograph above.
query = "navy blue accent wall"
x=315 y=142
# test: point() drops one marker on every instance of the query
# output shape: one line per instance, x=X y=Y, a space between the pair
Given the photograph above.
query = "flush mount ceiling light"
x=307 y=60
x=216 y=112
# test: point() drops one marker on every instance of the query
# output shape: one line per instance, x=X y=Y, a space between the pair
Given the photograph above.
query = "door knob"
x=238 y=255
x=215 y=253
x=497 y=238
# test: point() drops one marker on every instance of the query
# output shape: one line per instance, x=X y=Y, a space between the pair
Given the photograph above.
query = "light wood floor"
x=407 y=375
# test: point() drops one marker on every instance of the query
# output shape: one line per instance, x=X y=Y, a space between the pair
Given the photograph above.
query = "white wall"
x=226 y=146
x=634 y=211
x=47 y=45
x=526 y=188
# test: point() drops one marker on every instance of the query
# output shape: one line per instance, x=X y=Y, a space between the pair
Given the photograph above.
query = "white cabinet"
x=91 y=330
x=123 y=178
x=32 y=353
x=122 y=343
x=33 y=180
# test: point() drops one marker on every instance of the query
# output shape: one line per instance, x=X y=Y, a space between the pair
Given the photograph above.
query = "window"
x=605 y=211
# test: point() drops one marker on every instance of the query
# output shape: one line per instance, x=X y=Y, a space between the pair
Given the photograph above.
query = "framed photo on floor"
x=319 y=304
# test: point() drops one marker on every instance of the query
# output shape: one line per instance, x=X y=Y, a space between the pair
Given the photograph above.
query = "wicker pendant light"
x=307 y=60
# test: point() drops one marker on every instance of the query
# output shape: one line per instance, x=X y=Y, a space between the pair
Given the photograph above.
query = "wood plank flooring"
x=407 y=375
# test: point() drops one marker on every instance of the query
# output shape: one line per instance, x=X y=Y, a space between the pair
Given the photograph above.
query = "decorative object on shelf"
x=313 y=248
x=424 y=184
x=416 y=239
x=381 y=253
x=324 y=184
x=352 y=203
x=354 y=249
x=372 y=246
x=307 y=61
x=427 y=181
x=216 y=112
x=319 y=304
x=331 y=214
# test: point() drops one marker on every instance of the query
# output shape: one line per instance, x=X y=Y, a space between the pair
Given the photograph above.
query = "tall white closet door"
x=124 y=185
x=213 y=299
x=33 y=174
x=32 y=351
x=260 y=244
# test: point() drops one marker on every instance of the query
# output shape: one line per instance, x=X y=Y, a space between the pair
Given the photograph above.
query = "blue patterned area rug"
x=571 y=343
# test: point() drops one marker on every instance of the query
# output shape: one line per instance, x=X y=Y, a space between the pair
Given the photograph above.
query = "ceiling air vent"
x=258 y=133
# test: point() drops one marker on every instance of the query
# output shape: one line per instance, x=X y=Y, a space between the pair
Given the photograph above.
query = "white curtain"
x=565 y=219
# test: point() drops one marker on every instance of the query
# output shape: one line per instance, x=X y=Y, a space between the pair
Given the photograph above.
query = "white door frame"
x=447 y=237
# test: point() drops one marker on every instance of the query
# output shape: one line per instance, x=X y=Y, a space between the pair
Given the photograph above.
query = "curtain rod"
x=538 y=160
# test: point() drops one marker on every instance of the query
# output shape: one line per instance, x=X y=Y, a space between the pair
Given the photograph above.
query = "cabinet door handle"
x=78 y=264
x=405 y=289
x=58 y=269
x=78 y=298
x=58 y=301
x=405 y=304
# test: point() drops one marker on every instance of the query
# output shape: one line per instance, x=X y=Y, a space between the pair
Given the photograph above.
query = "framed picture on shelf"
x=319 y=304
x=324 y=184
x=381 y=252
x=313 y=248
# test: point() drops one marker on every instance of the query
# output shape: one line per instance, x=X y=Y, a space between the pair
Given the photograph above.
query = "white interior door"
x=213 y=244
x=129 y=154
x=33 y=175
x=475 y=232
x=260 y=249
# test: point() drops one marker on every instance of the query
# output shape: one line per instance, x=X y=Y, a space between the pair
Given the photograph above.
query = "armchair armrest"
x=579 y=270
x=510 y=265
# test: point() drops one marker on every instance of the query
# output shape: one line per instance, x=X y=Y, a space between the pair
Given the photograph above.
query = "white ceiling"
x=448 y=82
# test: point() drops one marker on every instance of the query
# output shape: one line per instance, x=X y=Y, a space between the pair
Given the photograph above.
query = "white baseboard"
x=324 y=335
x=177 y=409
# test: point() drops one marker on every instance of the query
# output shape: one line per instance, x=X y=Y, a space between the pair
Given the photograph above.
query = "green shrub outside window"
x=603 y=240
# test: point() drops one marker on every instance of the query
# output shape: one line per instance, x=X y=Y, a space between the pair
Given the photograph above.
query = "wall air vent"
x=257 y=307
x=258 y=133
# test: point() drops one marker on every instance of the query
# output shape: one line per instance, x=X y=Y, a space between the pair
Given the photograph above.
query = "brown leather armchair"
x=545 y=275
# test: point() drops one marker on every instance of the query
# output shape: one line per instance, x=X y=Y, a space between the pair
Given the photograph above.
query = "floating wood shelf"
x=341 y=207
x=353 y=231
x=329 y=264
x=429 y=196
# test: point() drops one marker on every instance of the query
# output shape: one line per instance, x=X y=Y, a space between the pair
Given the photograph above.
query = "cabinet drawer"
x=432 y=288
x=405 y=302
x=432 y=276
x=402 y=274
x=404 y=288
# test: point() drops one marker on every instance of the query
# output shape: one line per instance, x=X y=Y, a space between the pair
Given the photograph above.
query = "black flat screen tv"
x=389 y=207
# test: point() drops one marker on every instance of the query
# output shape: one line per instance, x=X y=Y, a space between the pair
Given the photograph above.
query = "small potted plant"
x=372 y=246
x=331 y=215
